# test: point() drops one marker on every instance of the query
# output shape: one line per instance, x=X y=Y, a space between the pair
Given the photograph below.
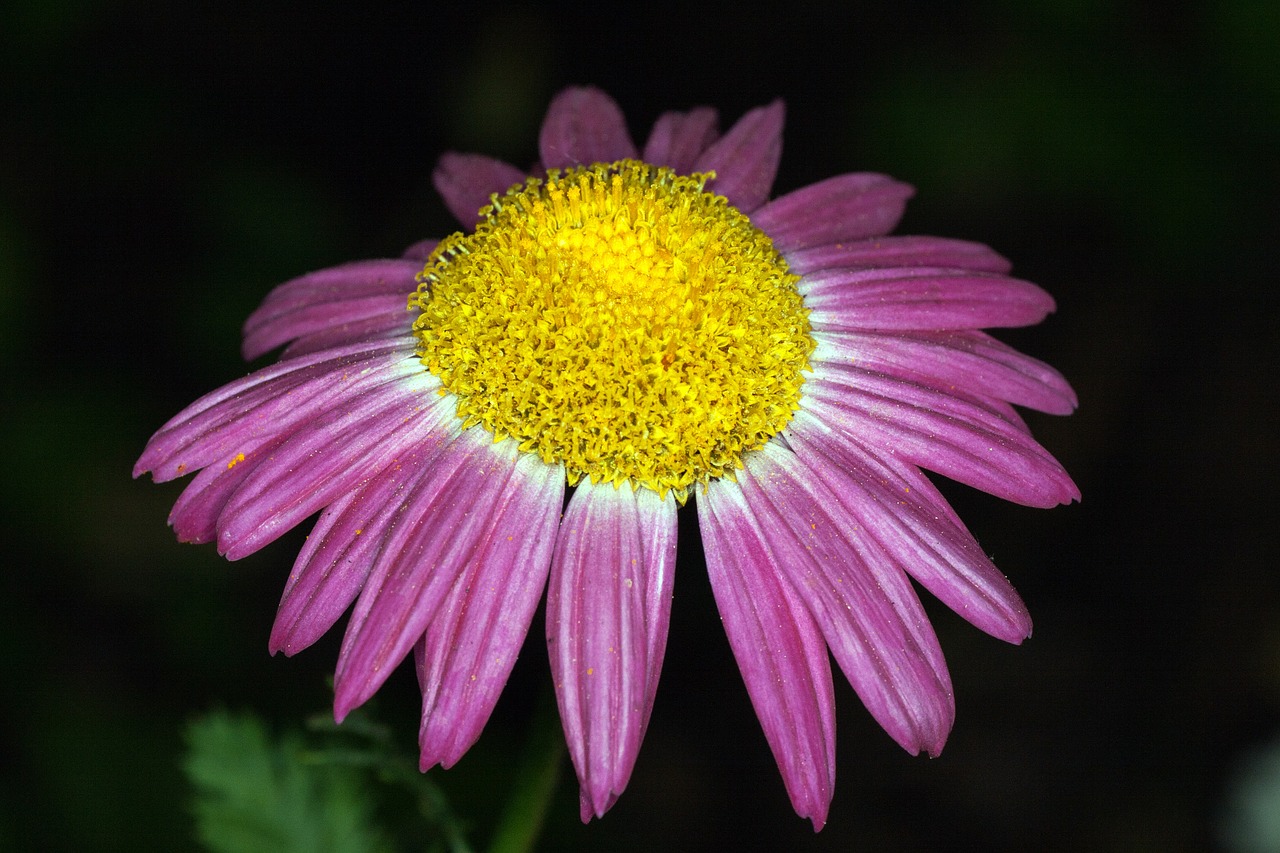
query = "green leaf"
x=254 y=793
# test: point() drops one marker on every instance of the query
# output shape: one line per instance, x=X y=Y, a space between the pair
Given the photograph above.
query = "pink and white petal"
x=472 y=641
x=354 y=281
x=920 y=298
x=584 y=126
x=945 y=559
x=465 y=182
x=898 y=251
x=746 y=158
x=678 y=139
x=194 y=517
x=952 y=435
x=337 y=557
x=779 y=648
x=268 y=402
x=847 y=207
x=395 y=325
x=608 y=609
x=384 y=310
x=330 y=456
x=967 y=360
x=420 y=251
x=866 y=608
x=474 y=509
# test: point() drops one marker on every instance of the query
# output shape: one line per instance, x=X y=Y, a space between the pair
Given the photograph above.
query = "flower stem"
x=536 y=777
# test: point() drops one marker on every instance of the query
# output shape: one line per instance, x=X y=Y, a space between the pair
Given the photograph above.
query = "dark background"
x=163 y=165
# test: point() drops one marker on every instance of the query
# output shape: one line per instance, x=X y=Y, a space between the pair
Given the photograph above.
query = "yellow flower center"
x=621 y=320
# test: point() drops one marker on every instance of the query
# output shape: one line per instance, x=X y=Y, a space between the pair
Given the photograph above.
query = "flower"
x=646 y=327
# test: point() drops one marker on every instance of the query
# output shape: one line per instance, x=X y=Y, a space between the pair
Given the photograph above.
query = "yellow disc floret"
x=621 y=320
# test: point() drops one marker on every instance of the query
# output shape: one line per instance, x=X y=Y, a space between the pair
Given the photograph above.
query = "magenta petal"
x=268 y=402
x=476 y=514
x=392 y=325
x=898 y=251
x=779 y=649
x=846 y=207
x=328 y=457
x=194 y=518
x=968 y=361
x=866 y=608
x=745 y=159
x=608 y=608
x=337 y=557
x=679 y=138
x=471 y=643
x=311 y=302
x=943 y=557
x=953 y=435
x=465 y=182
x=584 y=126
x=920 y=298
x=420 y=250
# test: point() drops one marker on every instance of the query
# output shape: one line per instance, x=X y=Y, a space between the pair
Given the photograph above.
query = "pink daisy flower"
x=645 y=326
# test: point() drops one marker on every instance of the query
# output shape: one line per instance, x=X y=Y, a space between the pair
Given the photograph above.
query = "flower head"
x=644 y=327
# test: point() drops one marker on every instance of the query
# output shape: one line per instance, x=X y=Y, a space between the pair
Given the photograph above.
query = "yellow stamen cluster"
x=620 y=319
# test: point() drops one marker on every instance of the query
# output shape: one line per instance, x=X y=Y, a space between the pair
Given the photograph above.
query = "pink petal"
x=309 y=303
x=846 y=207
x=865 y=607
x=608 y=608
x=266 y=403
x=194 y=518
x=778 y=646
x=337 y=557
x=969 y=361
x=471 y=643
x=420 y=250
x=944 y=558
x=898 y=251
x=328 y=457
x=465 y=182
x=336 y=316
x=745 y=159
x=920 y=298
x=953 y=435
x=393 y=325
x=473 y=514
x=679 y=138
x=584 y=126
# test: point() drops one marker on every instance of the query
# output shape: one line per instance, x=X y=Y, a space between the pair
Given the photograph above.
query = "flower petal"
x=779 y=648
x=865 y=607
x=942 y=556
x=266 y=403
x=328 y=457
x=745 y=159
x=337 y=557
x=678 y=139
x=846 y=207
x=420 y=250
x=584 y=126
x=476 y=514
x=969 y=361
x=320 y=299
x=471 y=642
x=194 y=517
x=953 y=435
x=393 y=325
x=898 y=251
x=920 y=298
x=608 y=608
x=465 y=182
